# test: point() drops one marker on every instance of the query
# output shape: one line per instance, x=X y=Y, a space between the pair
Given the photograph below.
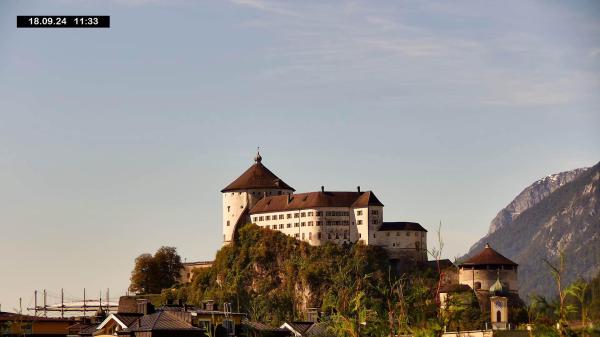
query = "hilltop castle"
x=260 y=197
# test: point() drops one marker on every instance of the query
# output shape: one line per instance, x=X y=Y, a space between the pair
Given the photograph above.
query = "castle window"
x=310 y=223
x=358 y=212
x=227 y=222
x=255 y=219
x=374 y=212
x=280 y=216
x=374 y=222
x=296 y=215
x=319 y=235
x=310 y=235
x=393 y=244
x=329 y=236
x=274 y=226
x=319 y=213
x=407 y=233
x=360 y=222
x=373 y=235
x=302 y=236
x=228 y=208
x=359 y=235
x=297 y=235
x=268 y=217
x=310 y=213
x=289 y=225
x=303 y=224
x=318 y=223
x=289 y=216
x=280 y=226
x=296 y=224
x=303 y=214
x=260 y=218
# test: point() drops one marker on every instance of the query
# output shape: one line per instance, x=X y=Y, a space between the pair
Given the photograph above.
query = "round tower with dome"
x=244 y=192
x=485 y=270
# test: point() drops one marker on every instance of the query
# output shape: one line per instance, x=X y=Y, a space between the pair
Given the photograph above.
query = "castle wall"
x=236 y=202
x=487 y=277
x=315 y=226
x=404 y=243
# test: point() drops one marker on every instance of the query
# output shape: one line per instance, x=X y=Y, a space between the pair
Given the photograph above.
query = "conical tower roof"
x=256 y=177
x=488 y=256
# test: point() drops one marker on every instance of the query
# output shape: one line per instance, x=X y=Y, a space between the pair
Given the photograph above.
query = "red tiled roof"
x=367 y=198
x=257 y=176
x=298 y=201
x=488 y=256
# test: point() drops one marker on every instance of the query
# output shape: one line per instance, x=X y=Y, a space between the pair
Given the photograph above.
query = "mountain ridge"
x=564 y=216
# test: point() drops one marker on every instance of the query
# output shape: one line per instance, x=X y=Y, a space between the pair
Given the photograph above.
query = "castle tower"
x=483 y=270
x=244 y=192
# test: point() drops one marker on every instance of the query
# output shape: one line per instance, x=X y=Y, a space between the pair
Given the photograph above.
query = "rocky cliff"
x=531 y=196
x=560 y=212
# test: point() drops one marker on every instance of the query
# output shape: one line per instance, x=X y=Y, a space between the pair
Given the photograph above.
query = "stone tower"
x=481 y=271
x=245 y=191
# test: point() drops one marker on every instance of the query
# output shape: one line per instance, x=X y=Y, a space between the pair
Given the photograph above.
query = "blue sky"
x=117 y=141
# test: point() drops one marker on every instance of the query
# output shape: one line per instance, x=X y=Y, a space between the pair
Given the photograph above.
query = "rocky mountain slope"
x=558 y=213
x=532 y=195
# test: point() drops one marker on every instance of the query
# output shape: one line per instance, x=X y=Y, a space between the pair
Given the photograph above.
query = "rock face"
x=560 y=212
x=532 y=195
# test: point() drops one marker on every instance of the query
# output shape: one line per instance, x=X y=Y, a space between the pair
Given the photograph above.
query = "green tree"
x=578 y=290
x=151 y=274
x=144 y=275
x=168 y=264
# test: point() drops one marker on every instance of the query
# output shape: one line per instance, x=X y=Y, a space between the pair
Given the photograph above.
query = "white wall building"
x=260 y=197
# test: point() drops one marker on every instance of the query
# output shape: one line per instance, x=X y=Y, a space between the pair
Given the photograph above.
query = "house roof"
x=258 y=326
x=10 y=316
x=298 y=327
x=488 y=256
x=298 y=201
x=443 y=263
x=257 y=176
x=123 y=319
x=162 y=320
x=88 y=329
x=454 y=288
x=320 y=329
x=401 y=226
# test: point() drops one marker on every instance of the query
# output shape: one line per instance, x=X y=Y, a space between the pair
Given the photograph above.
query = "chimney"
x=358 y=189
x=322 y=188
x=289 y=198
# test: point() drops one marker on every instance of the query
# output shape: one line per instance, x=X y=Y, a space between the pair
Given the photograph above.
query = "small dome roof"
x=496 y=288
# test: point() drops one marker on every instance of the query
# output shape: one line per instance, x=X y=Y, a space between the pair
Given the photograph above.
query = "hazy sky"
x=116 y=141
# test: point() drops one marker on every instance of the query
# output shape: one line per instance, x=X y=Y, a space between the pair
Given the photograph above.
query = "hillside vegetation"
x=275 y=277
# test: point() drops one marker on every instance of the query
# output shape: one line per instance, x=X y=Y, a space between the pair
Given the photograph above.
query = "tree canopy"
x=151 y=274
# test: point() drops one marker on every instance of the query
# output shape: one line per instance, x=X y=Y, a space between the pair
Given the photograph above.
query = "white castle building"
x=260 y=197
